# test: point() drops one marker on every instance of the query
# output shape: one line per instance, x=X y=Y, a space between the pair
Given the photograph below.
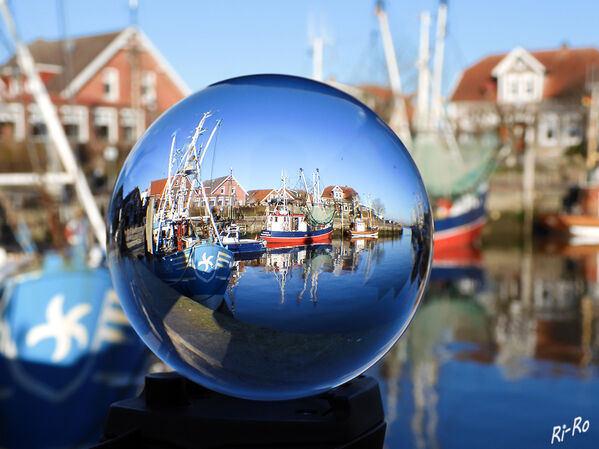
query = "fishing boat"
x=459 y=223
x=191 y=258
x=582 y=229
x=359 y=229
x=455 y=172
x=233 y=240
x=315 y=225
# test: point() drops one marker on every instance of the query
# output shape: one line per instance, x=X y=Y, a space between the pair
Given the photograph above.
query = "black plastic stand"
x=173 y=412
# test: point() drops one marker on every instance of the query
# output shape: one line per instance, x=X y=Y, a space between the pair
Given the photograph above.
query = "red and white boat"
x=461 y=223
x=282 y=226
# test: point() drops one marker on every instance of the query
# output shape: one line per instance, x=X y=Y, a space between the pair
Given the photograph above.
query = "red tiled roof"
x=157 y=187
x=83 y=51
x=257 y=196
x=566 y=74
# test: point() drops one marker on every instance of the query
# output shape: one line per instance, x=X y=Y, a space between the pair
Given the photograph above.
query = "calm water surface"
x=503 y=348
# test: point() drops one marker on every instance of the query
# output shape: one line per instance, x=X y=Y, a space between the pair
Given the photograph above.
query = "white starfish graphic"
x=60 y=327
x=206 y=261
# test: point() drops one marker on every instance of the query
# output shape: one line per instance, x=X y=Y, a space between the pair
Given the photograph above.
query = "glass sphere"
x=269 y=237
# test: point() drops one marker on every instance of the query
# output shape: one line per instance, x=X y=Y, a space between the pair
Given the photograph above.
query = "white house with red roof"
x=541 y=91
x=346 y=196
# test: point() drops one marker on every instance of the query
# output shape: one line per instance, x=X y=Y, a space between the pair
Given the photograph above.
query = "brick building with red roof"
x=540 y=91
x=107 y=89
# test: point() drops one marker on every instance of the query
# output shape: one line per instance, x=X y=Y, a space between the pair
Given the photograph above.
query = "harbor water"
x=502 y=350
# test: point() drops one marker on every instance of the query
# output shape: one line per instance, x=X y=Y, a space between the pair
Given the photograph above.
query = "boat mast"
x=165 y=191
x=198 y=163
x=424 y=75
x=317 y=187
x=437 y=117
x=308 y=200
x=399 y=116
x=55 y=130
x=317 y=52
x=437 y=100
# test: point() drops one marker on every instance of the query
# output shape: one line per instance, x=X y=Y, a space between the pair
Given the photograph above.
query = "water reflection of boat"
x=190 y=258
x=284 y=226
x=280 y=261
x=319 y=259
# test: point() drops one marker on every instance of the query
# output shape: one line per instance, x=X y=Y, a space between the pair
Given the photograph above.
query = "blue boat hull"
x=198 y=272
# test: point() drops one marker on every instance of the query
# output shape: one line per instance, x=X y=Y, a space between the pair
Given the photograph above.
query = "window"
x=222 y=190
x=72 y=131
x=233 y=190
x=110 y=84
x=548 y=129
x=127 y=132
x=106 y=124
x=148 y=88
x=38 y=129
x=572 y=129
x=130 y=119
x=514 y=87
x=7 y=131
x=75 y=122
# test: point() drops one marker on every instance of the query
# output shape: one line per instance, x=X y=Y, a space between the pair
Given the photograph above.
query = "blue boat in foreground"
x=191 y=259
x=198 y=272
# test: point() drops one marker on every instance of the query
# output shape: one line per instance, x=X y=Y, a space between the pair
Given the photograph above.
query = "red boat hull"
x=323 y=238
x=459 y=236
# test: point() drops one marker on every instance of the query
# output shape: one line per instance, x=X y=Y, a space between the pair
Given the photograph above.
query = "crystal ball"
x=269 y=237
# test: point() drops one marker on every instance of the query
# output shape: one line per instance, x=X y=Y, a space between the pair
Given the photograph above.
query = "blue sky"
x=207 y=41
x=272 y=124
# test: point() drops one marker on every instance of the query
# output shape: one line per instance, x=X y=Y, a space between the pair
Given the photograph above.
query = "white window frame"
x=77 y=115
x=106 y=116
x=570 y=121
x=14 y=113
x=110 y=78
x=148 y=83
x=547 y=121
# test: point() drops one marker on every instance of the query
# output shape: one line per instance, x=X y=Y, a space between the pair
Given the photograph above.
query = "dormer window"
x=110 y=84
x=519 y=77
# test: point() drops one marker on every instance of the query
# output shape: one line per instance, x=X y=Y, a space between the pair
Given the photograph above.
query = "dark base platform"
x=173 y=412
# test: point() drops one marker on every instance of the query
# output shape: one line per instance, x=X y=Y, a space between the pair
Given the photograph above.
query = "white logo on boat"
x=61 y=327
x=206 y=262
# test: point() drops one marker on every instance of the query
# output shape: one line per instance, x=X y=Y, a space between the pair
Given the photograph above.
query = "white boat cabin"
x=283 y=221
x=359 y=225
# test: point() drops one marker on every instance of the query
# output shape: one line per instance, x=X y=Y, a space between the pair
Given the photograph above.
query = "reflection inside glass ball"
x=269 y=237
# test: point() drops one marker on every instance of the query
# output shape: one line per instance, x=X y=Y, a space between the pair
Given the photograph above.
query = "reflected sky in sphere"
x=335 y=258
